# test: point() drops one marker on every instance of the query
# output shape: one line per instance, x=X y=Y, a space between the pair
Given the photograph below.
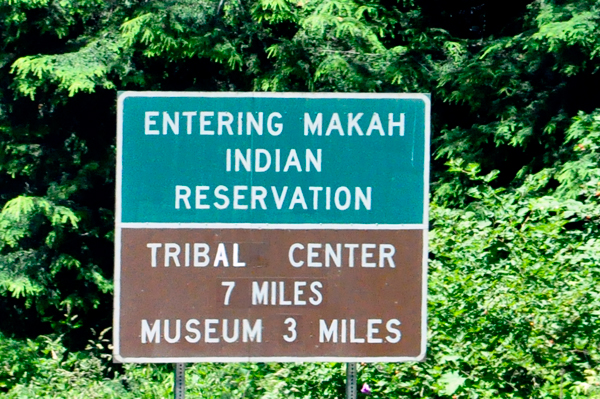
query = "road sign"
x=271 y=227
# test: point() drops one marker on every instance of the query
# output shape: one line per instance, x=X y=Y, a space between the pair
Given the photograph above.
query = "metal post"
x=350 y=380
x=179 y=387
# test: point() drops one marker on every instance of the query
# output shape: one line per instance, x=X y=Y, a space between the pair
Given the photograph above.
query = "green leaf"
x=451 y=382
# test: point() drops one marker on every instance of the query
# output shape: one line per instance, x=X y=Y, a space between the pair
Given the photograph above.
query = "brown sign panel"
x=254 y=294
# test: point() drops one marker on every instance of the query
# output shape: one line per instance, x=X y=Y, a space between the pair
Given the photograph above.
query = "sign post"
x=179 y=381
x=351 y=391
x=271 y=227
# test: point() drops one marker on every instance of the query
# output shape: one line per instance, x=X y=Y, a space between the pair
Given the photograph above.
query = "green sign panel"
x=277 y=158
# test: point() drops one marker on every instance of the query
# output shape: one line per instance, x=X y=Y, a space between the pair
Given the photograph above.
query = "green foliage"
x=44 y=369
x=19 y=274
x=32 y=264
x=580 y=176
x=517 y=291
x=82 y=71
